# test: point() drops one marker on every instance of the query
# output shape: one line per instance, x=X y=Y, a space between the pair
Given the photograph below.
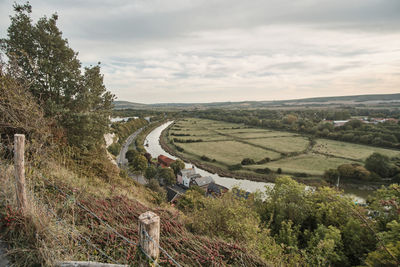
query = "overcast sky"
x=156 y=51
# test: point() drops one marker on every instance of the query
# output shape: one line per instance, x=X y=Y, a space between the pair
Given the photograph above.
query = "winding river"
x=155 y=149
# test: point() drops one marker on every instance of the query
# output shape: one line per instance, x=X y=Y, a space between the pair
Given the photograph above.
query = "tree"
x=378 y=164
x=139 y=163
x=79 y=102
x=177 y=165
x=167 y=175
x=131 y=154
x=151 y=172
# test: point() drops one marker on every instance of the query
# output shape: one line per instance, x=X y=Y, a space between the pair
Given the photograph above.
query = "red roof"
x=165 y=161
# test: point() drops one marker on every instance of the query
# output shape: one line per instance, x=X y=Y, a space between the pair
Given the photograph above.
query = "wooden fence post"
x=19 y=166
x=149 y=222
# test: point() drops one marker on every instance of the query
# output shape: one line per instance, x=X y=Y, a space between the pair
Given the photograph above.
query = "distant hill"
x=315 y=101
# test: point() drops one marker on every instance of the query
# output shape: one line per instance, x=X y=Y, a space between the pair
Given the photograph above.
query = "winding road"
x=122 y=160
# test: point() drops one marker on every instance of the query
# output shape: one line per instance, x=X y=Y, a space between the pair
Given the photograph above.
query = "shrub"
x=205 y=158
x=264 y=160
x=264 y=171
x=235 y=167
x=248 y=161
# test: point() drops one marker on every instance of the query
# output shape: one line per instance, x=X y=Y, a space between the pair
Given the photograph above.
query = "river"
x=155 y=149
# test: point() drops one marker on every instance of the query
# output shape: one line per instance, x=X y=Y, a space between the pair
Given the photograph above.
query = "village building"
x=184 y=175
x=202 y=182
x=164 y=161
x=214 y=189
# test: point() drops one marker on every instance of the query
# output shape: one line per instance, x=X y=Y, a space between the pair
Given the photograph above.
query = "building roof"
x=188 y=172
x=172 y=194
x=164 y=160
x=216 y=188
x=202 y=181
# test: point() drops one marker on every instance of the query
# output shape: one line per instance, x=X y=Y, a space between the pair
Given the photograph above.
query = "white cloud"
x=197 y=51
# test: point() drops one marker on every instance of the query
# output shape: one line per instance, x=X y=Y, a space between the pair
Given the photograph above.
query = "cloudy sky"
x=156 y=51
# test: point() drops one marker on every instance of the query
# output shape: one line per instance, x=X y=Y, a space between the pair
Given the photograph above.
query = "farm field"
x=282 y=144
x=230 y=143
x=312 y=164
x=349 y=150
x=228 y=152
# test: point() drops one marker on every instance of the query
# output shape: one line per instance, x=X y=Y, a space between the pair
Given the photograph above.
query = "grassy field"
x=230 y=143
x=351 y=151
x=283 y=144
x=312 y=164
x=228 y=152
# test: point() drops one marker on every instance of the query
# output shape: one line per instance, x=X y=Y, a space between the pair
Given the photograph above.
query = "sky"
x=164 y=51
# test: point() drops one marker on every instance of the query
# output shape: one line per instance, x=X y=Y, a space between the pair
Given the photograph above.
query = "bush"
x=114 y=149
x=301 y=174
x=264 y=171
x=279 y=170
x=248 y=161
x=264 y=160
x=235 y=167
x=205 y=158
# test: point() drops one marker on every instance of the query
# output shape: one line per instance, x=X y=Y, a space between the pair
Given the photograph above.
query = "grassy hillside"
x=347 y=100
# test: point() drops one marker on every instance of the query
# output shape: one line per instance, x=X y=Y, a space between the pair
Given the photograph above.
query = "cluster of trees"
x=77 y=102
x=290 y=225
x=311 y=122
x=122 y=130
x=377 y=166
x=144 y=164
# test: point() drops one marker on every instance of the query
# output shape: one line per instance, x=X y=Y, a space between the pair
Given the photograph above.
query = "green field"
x=349 y=150
x=228 y=152
x=230 y=143
x=312 y=164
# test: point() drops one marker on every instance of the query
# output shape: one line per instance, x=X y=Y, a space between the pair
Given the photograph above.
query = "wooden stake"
x=150 y=223
x=19 y=166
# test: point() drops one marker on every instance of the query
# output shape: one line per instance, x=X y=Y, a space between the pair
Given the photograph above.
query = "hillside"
x=335 y=100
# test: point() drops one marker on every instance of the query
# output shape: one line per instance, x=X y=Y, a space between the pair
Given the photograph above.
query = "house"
x=214 y=189
x=202 y=182
x=187 y=180
x=184 y=174
x=164 y=161
x=339 y=123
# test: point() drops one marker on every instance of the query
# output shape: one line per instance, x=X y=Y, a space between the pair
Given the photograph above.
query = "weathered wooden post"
x=149 y=223
x=19 y=166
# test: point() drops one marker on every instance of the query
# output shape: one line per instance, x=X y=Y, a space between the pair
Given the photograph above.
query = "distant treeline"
x=314 y=122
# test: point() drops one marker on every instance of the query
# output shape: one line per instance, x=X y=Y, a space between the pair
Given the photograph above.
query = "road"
x=121 y=159
x=123 y=162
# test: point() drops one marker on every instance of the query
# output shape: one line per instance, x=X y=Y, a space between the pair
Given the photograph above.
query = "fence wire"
x=65 y=195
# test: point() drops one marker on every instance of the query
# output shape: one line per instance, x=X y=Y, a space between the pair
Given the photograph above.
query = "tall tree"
x=79 y=102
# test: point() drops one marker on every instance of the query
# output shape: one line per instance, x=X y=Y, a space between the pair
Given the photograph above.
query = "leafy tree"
x=324 y=246
x=378 y=164
x=177 y=166
x=151 y=172
x=139 y=163
x=167 y=175
x=131 y=154
x=389 y=254
x=79 y=102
